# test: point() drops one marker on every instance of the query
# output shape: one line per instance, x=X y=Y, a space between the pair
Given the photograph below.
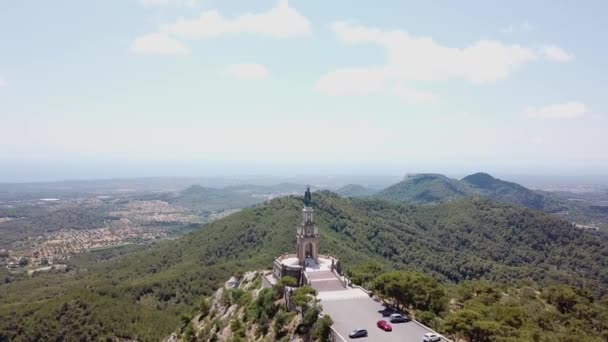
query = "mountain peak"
x=481 y=179
x=354 y=190
x=426 y=188
x=433 y=188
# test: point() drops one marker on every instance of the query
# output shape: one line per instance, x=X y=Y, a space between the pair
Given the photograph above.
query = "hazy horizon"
x=193 y=88
x=45 y=171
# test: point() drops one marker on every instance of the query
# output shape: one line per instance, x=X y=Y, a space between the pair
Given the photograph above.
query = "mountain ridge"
x=429 y=188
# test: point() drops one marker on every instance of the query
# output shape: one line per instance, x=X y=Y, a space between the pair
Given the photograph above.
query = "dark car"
x=398 y=318
x=358 y=333
x=384 y=325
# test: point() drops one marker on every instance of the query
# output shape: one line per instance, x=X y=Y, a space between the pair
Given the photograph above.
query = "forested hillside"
x=426 y=188
x=513 y=193
x=355 y=190
x=141 y=295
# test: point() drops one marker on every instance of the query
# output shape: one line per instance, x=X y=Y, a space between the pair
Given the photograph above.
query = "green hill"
x=276 y=188
x=508 y=192
x=355 y=190
x=434 y=188
x=197 y=197
x=426 y=188
x=140 y=295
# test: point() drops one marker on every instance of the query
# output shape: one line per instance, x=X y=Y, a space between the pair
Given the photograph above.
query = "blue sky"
x=440 y=86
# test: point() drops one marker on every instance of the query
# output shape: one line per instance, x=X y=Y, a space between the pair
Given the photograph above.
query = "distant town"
x=43 y=233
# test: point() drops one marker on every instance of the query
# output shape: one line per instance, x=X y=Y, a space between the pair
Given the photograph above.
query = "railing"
x=335 y=337
x=327 y=256
x=286 y=255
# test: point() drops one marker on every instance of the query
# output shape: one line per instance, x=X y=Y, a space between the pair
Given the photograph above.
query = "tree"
x=427 y=294
x=563 y=297
x=484 y=291
x=263 y=307
x=471 y=325
x=460 y=324
x=426 y=317
x=408 y=289
x=303 y=297
x=185 y=318
x=286 y=281
x=363 y=274
x=323 y=328
x=280 y=320
x=309 y=319
x=311 y=316
x=484 y=330
x=23 y=262
x=204 y=308
x=391 y=287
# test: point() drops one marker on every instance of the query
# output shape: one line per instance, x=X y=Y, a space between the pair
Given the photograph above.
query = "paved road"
x=349 y=314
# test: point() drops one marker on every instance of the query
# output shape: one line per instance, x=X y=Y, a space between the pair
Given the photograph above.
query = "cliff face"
x=242 y=310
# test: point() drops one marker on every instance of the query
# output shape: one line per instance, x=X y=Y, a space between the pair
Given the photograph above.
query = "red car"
x=384 y=325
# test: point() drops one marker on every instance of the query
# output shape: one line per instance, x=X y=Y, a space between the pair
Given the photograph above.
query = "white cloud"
x=247 y=71
x=556 y=53
x=281 y=21
x=523 y=27
x=412 y=58
x=159 y=43
x=3 y=83
x=567 y=110
x=176 y=3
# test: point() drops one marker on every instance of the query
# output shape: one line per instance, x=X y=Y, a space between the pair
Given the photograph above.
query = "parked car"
x=430 y=337
x=398 y=318
x=382 y=324
x=358 y=333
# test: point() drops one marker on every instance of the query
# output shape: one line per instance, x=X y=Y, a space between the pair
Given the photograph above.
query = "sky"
x=305 y=85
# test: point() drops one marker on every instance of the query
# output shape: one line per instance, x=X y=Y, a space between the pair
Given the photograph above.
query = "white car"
x=430 y=337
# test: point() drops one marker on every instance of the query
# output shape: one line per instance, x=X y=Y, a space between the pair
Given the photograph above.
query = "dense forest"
x=141 y=294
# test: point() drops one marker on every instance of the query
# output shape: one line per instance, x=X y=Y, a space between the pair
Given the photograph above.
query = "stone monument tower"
x=307 y=234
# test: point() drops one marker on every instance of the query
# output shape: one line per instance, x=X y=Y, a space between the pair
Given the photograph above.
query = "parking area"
x=349 y=314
